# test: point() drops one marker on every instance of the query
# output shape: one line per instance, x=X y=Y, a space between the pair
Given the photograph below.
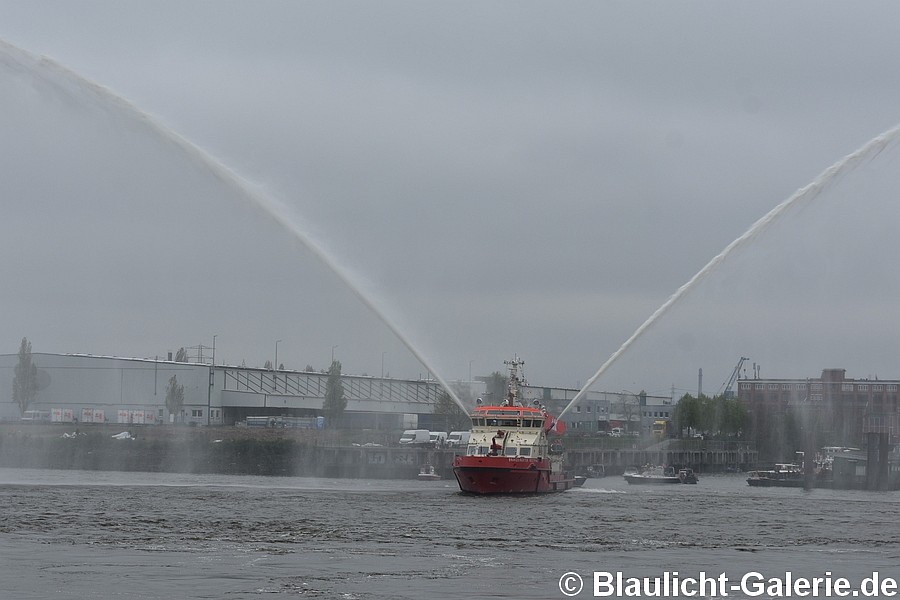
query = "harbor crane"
x=729 y=393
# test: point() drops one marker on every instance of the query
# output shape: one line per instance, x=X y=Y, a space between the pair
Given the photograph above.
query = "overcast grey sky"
x=531 y=178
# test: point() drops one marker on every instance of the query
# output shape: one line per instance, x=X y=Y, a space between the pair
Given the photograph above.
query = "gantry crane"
x=728 y=393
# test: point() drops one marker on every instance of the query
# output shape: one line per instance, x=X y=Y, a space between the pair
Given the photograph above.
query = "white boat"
x=661 y=475
x=427 y=473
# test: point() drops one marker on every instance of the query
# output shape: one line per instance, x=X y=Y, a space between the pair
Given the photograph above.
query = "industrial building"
x=843 y=408
x=602 y=412
x=85 y=388
x=81 y=388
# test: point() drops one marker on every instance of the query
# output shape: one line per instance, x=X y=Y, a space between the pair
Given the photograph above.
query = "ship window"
x=510 y=422
x=525 y=451
x=482 y=450
x=472 y=450
x=526 y=423
x=492 y=422
x=510 y=452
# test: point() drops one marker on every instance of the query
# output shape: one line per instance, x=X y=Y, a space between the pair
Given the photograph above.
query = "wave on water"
x=583 y=490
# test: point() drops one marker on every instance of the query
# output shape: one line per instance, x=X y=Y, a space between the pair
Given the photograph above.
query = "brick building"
x=841 y=409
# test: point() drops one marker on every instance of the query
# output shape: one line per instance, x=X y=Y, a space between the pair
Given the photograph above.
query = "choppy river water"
x=75 y=534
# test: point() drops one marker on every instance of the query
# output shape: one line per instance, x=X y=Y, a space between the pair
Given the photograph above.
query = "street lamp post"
x=332 y=353
x=212 y=375
x=627 y=413
x=275 y=367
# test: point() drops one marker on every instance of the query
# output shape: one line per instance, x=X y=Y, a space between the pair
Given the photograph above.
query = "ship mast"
x=512 y=386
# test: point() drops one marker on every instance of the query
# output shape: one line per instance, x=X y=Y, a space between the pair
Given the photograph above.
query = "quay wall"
x=703 y=457
x=240 y=456
x=309 y=453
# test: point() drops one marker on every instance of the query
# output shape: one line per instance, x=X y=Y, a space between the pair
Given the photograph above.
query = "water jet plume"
x=46 y=71
x=804 y=195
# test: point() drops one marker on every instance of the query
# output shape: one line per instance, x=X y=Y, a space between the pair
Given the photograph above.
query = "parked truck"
x=438 y=438
x=457 y=439
x=415 y=437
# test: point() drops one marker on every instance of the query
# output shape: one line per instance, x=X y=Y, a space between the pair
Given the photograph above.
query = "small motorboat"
x=427 y=473
x=783 y=475
x=687 y=476
x=656 y=475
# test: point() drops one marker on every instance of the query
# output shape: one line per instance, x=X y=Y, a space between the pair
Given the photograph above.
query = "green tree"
x=734 y=417
x=181 y=355
x=450 y=414
x=688 y=413
x=631 y=409
x=25 y=378
x=174 y=396
x=496 y=388
x=718 y=416
x=335 y=403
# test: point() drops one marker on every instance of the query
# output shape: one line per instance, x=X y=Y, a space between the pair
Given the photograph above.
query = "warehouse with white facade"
x=77 y=388
x=81 y=388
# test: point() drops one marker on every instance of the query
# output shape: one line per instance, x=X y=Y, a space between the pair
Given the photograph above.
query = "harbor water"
x=78 y=534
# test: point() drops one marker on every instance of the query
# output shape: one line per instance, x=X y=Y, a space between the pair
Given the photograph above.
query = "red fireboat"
x=509 y=450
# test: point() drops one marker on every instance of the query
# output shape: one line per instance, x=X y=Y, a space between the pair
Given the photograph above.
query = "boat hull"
x=502 y=475
x=651 y=480
x=788 y=483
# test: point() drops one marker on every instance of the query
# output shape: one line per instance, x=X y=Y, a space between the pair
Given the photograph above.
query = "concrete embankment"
x=700 y=455
x=195 y=451
x=300 y=452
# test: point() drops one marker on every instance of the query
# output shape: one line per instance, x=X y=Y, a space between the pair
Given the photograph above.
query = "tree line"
x=25 y=386
x=716 y=417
